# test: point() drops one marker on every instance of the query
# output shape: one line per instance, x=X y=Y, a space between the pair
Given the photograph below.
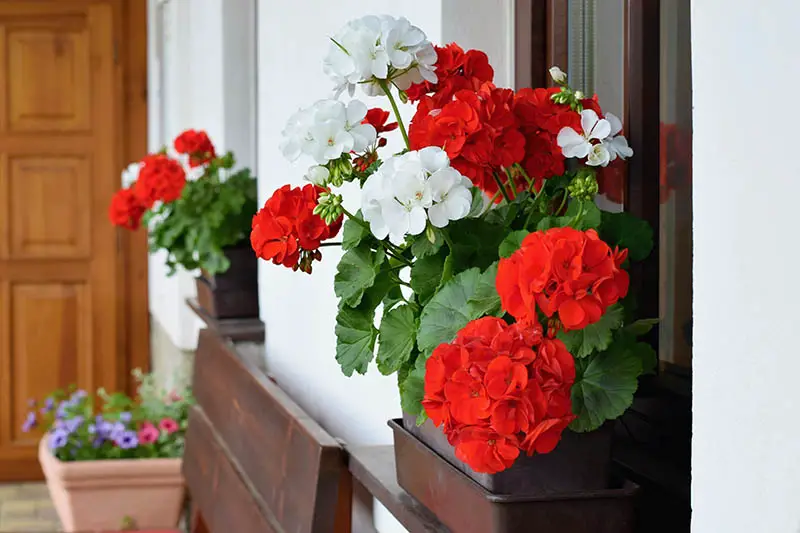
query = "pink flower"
x=169 y=425
x=148 y=434
x=174 y=397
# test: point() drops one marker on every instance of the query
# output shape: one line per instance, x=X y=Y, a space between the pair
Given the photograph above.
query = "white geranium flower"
x=599 y=156
x=409 y=189
x=451 y=192
x=318 y=175
x=378 y=48
x=616 y=144
x=574 y=144
x=327 y=130
x=130 y=174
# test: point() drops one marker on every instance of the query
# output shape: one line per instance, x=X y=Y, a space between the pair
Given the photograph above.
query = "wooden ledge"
x=374 y=467
x=235 y=329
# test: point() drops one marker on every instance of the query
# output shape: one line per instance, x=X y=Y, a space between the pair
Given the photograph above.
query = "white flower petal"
x=572 y=143
x=356 y=111
x=599 y=156
x=588 y=120
x=433 y=158
x=615 y=123
x=417 y=220
x=601 y=130
x=438 y=215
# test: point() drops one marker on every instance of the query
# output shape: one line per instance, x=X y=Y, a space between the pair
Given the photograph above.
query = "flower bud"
x=403 y=96
x=579 y=95
x=318 y=175
x=583 y=187
x=558 y=75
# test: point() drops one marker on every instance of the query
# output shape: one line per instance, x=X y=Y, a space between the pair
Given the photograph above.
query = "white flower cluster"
x=409 y=189
x=610 y=145
x=379 y=48
x=130 y=174
x=327 y=130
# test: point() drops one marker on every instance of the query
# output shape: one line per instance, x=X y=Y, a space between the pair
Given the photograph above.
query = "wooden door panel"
x=50 y=211
x=60 y=154
x=51 y=339
x=49 y=83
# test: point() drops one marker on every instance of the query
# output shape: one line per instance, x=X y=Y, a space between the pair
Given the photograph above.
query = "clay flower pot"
x=104 y=495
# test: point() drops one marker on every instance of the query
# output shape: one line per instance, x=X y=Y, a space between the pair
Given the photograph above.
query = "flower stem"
x=329 y=244
x=386 y=89
x=503 y=190
x=563 y=201
x=400 y=258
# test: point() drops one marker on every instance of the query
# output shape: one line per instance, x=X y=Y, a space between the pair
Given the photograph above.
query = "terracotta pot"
x=580 y=462
x=103 y=495
x=233 y=293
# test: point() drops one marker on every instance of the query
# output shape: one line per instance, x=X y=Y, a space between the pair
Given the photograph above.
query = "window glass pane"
x=596 y=66
x=675 y=179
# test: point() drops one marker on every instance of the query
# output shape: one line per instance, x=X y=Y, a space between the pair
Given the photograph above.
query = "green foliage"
x=353 y=231
x=513 y=242
x=355 y=339
x=398 y=334
x=80 y=426
x=594 y=337
x=213 y=212
x=426 y=275
x=412 y=390
x=423 y=246
x=604 y=387
x=627 y=231
x=467 y=296
x=356 y=273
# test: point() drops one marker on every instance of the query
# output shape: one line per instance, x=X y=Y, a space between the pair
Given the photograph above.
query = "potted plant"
x=199 y=211
x=113 y=463
x=502 y=288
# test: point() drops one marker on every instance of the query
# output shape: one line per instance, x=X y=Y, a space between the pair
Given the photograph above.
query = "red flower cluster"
x=126 y=210
x=197 y=146
x=498 y=389
x=457 y=70
x=287 y=232
x=160 y=179
x=565 y=271
x=486 y=130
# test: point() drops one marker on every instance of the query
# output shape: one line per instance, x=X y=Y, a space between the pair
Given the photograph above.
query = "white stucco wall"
x=202 y=76
x=746 y=446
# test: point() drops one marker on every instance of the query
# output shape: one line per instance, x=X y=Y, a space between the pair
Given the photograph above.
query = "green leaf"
x=627 y=231
x=512 y=243
x=647 y=356
x=590 y=217
x=478 y=203
x=604 y=387
x=426 y=273
x=422 y=247
x=355 y=339
x=398 y=333
x=353 y=232
x=469 y=295
x=594 y=337
x=552 y=222
x=485 y=300
x=642 y=326
x=356 y=273
x=412 y=390
x=475 y=243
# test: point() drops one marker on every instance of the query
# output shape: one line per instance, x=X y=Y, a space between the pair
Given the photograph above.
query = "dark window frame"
x=654 y=438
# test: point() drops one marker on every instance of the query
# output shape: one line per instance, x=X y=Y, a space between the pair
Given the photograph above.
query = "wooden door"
x=62 y=298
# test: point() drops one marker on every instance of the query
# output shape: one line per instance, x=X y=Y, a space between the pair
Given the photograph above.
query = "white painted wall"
x=202 y=76
x=300 y=310
x=746 y=446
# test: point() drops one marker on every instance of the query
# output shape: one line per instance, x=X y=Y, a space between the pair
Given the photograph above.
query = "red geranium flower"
x=160 y=179
x=287 y=232
x=378 y=117
x=126 y=210
x=197 y=145
x=562 y=271
x=457 y=70
x=494 y=385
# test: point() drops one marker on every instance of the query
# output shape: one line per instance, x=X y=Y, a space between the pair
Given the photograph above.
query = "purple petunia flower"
x=125 y=417
x=49 y=403
x=96 y=443
x=30 y=422
x=73 y=424
x=58 y=439
x=105 y=429
x=61 y=412
x=78 y=395
x=127 y=440
x=117 y=429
